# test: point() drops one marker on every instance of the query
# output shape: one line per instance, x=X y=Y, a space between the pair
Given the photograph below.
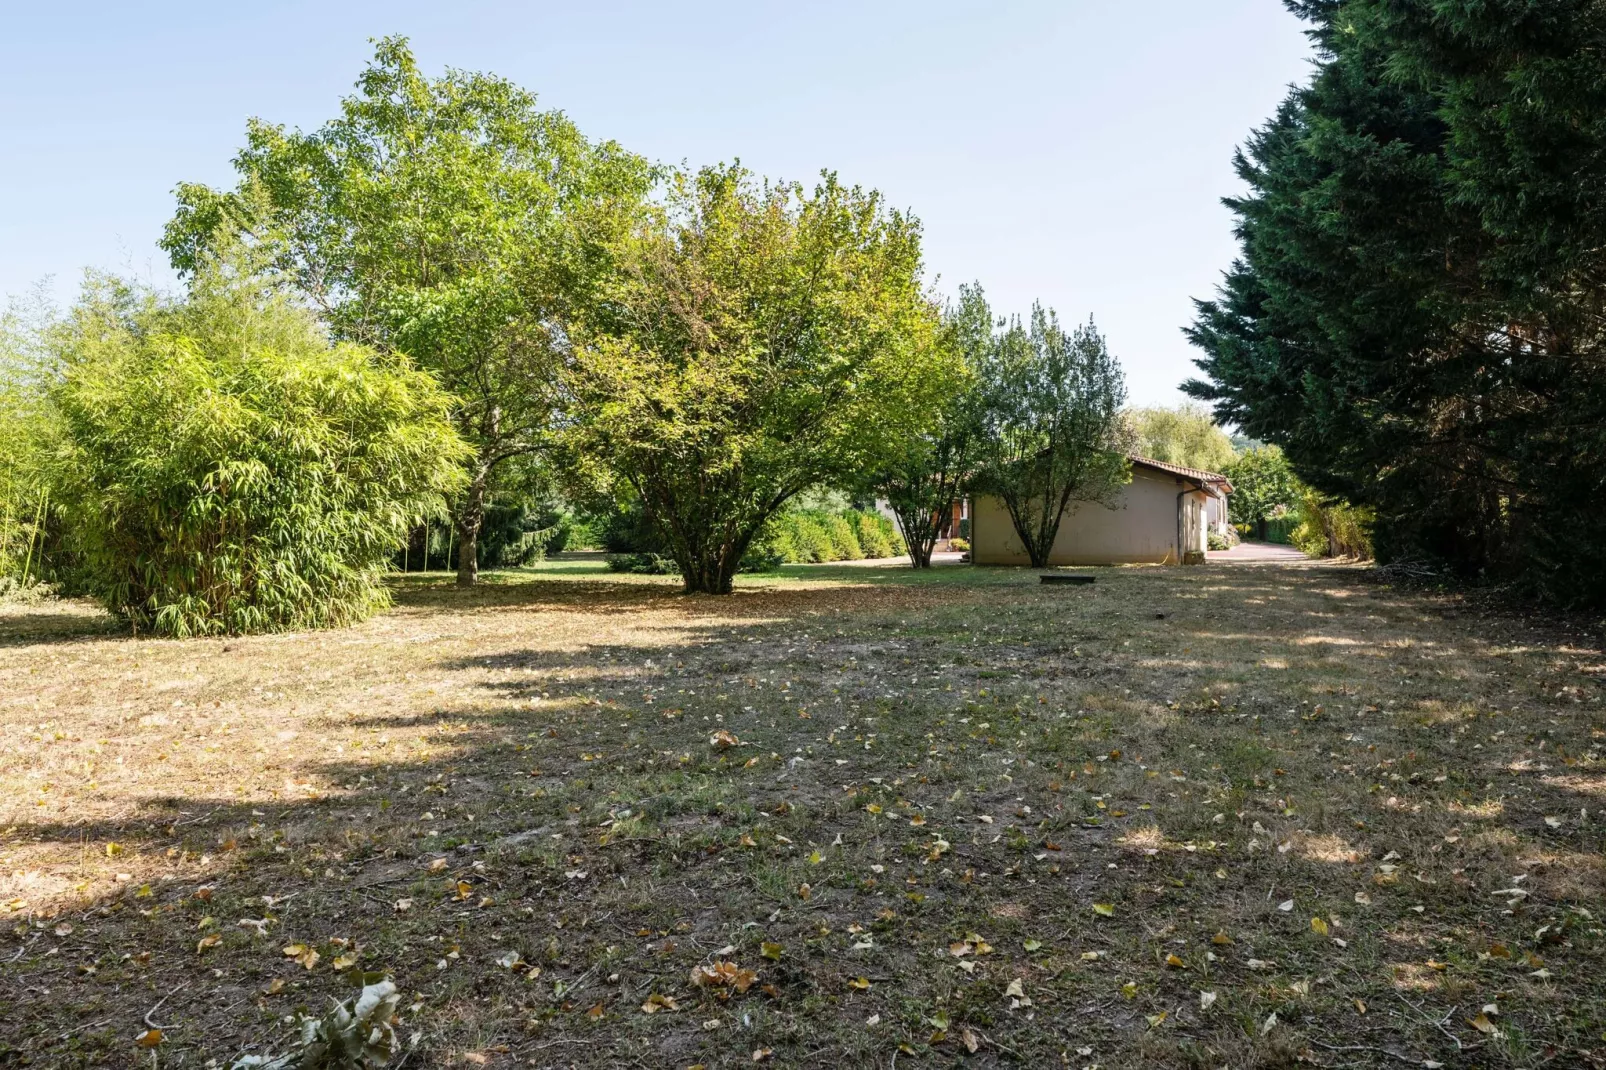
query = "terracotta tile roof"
x=1197 y=474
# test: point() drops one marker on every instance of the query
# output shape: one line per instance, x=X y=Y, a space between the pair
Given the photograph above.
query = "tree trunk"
x=470 y=515
x=918 y=536
x=714 y=570
x=1040 y=543
x=708 y=577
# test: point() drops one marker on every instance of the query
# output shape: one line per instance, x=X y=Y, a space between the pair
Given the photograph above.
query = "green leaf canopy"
x=762 y=340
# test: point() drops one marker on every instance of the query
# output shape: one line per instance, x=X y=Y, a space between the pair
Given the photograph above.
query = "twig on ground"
x=164 y=1028
x=22 y=949
x=1363 y=1047
x=195 y=820
x=1005 y=1048
x=565 y=1040
x=1428 y=1018
x=76 y=1030
x=387 y=880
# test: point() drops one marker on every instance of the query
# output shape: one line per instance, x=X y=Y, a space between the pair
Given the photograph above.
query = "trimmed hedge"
x=807 y=536
x=1280 y=529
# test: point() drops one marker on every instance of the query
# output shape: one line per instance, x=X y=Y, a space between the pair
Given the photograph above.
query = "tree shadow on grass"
x=573 y=804
x=58 y=621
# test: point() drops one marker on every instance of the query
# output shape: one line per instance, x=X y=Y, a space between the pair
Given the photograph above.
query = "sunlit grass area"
x=1223 y=816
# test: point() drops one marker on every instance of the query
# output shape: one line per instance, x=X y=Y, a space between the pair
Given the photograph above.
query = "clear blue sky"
x=1068 y=150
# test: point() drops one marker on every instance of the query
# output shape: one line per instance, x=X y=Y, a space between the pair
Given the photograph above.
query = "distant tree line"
x=446 y=324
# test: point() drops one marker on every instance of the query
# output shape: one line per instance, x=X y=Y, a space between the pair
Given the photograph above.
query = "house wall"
x=1142 y=527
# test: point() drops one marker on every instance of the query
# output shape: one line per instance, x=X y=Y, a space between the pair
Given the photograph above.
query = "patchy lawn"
x=1225 y=816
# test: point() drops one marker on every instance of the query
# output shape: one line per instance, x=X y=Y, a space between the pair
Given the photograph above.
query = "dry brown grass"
x=529 y=769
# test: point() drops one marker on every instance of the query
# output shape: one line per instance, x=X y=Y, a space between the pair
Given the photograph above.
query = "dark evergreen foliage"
x=1416 y=317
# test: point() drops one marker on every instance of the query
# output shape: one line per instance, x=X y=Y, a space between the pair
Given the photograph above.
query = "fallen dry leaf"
x=723 y=974
x=656 y=1003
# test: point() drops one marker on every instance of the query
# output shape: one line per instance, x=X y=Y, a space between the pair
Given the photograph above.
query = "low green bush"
x=643 y=564
x=224 y=469
x=844 y=543
x=874 y=539
x=1331 y=528
x=809 y=541
x=29 y=539
x=1280 y=529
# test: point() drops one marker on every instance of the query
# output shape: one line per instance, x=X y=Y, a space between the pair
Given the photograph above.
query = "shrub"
x=560 y=534
x=29 y=541
x=844 y=543
x=643 y=564
x=225 y=469
x=895 y=537
x=873 y=538
x=809 y=536
x=760 y=557
x=16 y=591
x=1280 y=529
x=625 y=530
x=779 y=539
x=1331 y=528
x=813 y=536
x=961 y=545
x=513 y=535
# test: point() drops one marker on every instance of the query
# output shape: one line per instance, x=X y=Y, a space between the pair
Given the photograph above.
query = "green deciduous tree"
x=1052 y=431
x=449 y=219
x=224 y=468
x=1418 y=316
x=767 y=339
x=924 y=476
x=1263 y=485
x=1187 y=435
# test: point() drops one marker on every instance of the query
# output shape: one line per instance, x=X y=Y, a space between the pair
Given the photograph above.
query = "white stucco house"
x=1163 y=516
